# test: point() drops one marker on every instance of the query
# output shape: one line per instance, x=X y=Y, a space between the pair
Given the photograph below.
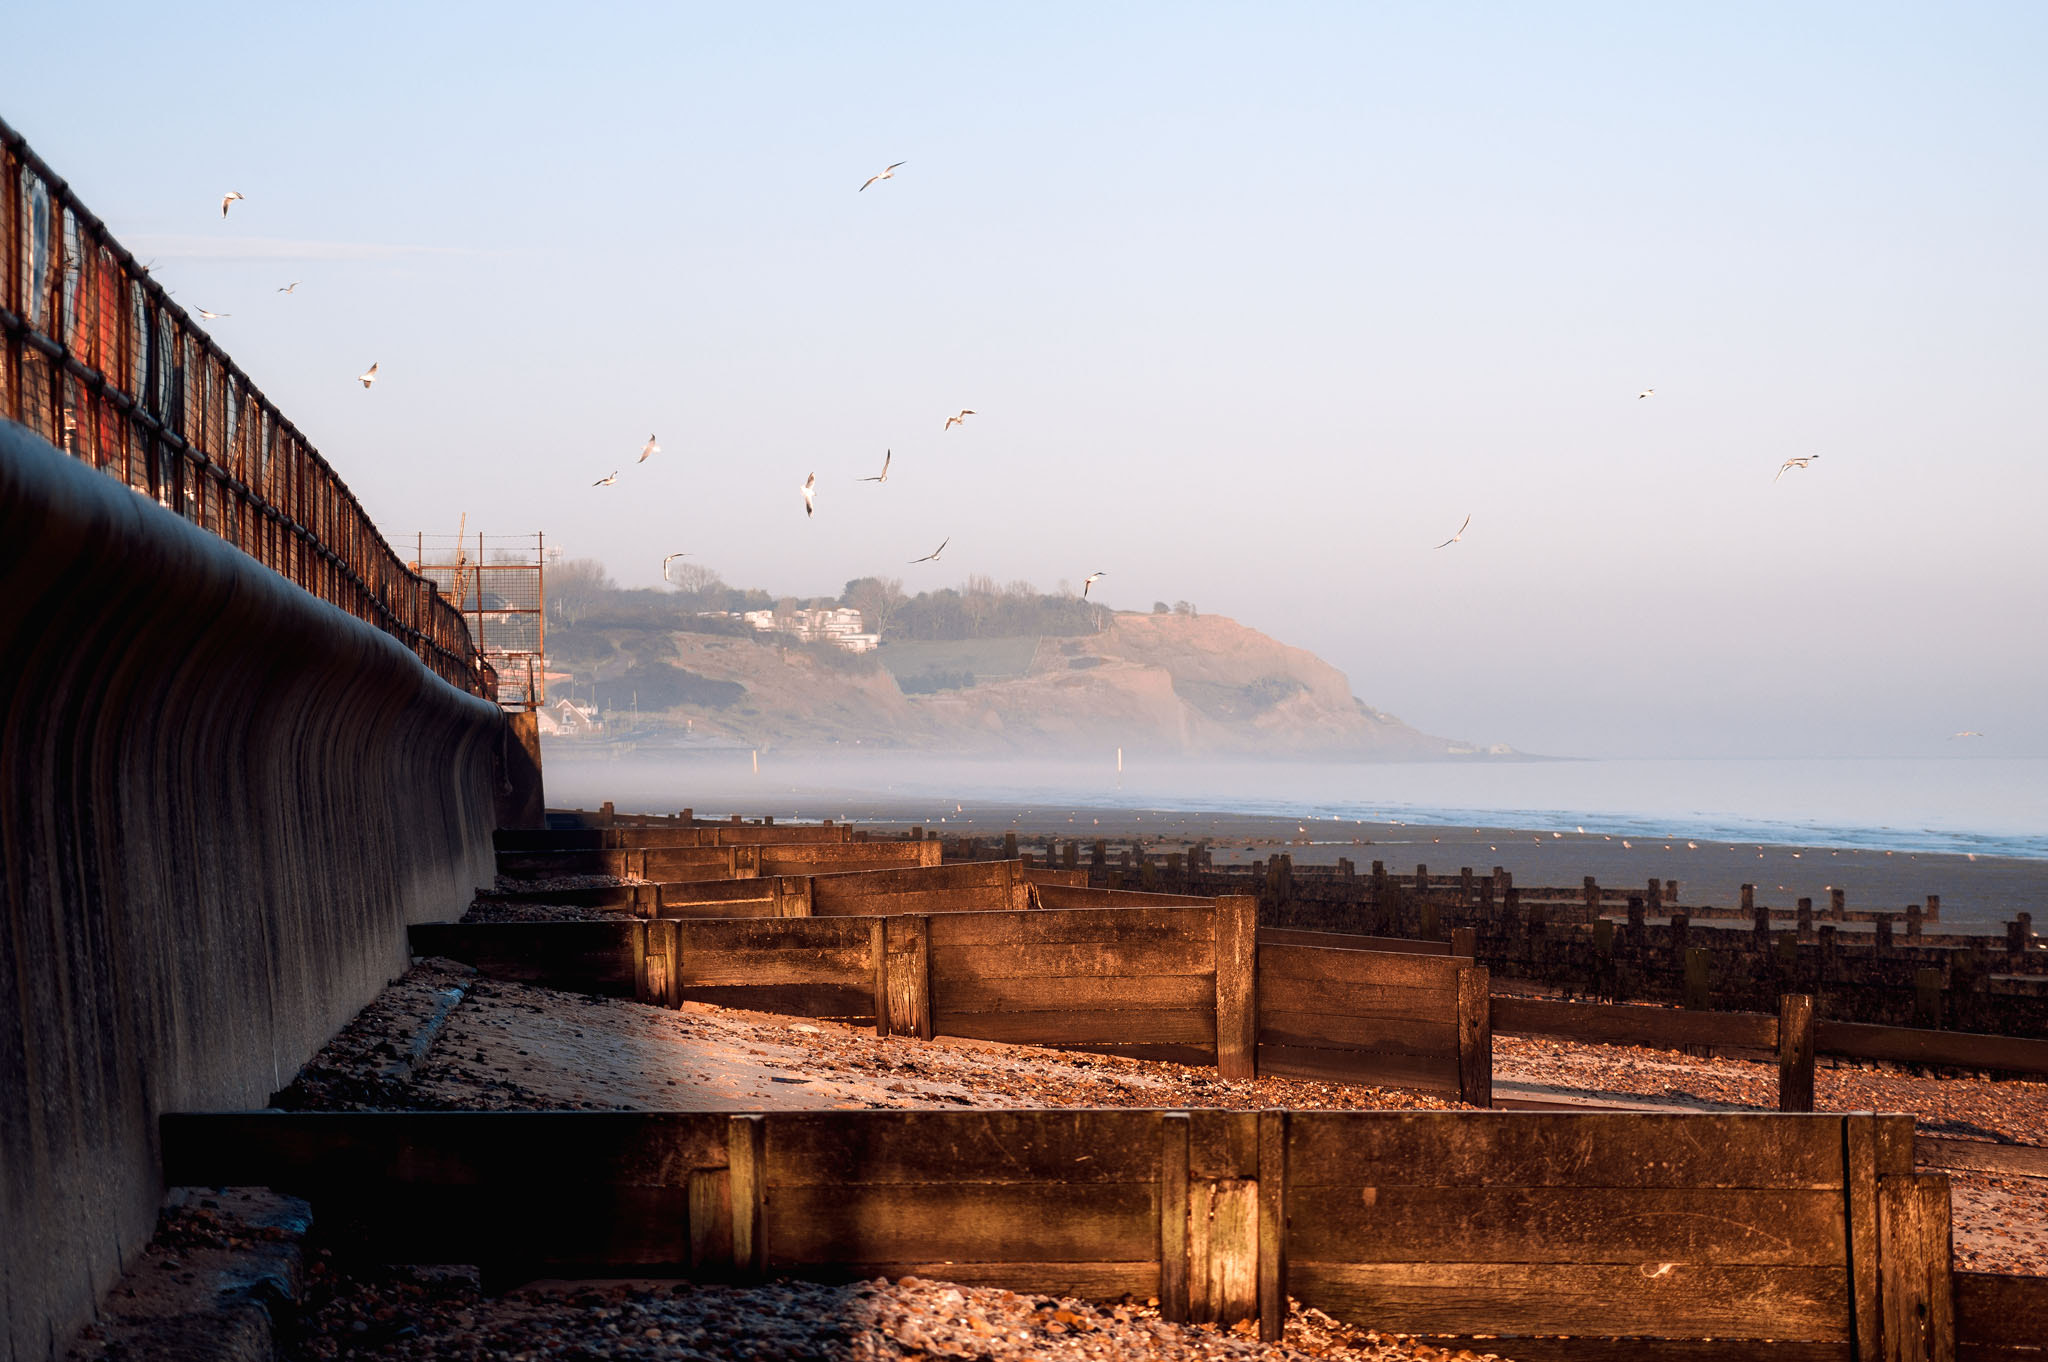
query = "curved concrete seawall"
x=221 y=802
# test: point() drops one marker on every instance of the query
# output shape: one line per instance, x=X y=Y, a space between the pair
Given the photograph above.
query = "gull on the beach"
x=1090 y=580
x=1647 y=392
x=367 y=376
x=228 y=198
x=292 y=287
x=1800 y=462
x=886 y=173
x=960 y=420
x=1459 y=535
x=608 y=480
x=933 y=556
x=670 y=559
x=648 y=450
x=810 y=490
x=882 y=476
x=212 y=316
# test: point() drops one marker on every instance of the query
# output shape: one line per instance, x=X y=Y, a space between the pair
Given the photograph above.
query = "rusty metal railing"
x=97 y=359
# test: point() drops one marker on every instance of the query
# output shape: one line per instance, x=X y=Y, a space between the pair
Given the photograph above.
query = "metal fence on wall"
x=97 y=359
x=497 y=582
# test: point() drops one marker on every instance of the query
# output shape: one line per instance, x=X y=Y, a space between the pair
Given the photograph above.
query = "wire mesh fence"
x=497 y=582
x=97 y=359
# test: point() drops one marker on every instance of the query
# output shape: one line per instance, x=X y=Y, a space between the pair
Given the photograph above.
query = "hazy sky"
x=1256 y=304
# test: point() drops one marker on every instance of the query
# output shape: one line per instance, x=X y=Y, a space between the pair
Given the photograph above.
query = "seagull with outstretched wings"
x=883 y=476
x=1090 y=580
x=886 y=173
x=1459 y=535
x=933 y=556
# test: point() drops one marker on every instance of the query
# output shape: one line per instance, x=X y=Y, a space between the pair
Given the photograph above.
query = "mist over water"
x=1984 y=806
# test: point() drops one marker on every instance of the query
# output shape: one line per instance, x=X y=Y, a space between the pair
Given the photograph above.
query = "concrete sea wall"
x=221 y=803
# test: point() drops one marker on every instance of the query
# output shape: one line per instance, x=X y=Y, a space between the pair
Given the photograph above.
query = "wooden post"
x=1681 y=935
x=659 y=979
x=1806 y=919
x=1475 y=1037
x=1914 y=1249
x=1884 y=933
x=1795 y=1052
x=1009 y=846
x=1927 y=1007
x=1465 y=885
x=1653 y=896
x=1934 y=907
x=1838 y=904
x=1592 y=892
x=1421 y=879
x=1912 y=922
x=793 y=895
x=1173 y=1216
x=1636 y=925
x=878 y=951
x=1698 y=996
x=909 y=983
x=1860 y=1170
x=1237 y=961
x=746 y=1161
x=1465 y=942
x=1749 y=899
x=1432 y=923
x=1272 y=1225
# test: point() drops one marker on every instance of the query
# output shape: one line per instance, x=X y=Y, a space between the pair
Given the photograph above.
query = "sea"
x=1979 y=806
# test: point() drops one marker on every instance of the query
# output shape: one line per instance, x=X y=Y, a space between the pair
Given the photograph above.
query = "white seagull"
x=649 y=450
x=670 y=559
x=960 y=420
x=1090 y=580
x=1966 y=733
x=292 y=287
x=1647 y=392
x=883 y=476
x=810 y=490
x=1800 y=462
x=211 y=316
x=228 y=198
x=933 y=556
x=607 y=481
x=367 y=376
x=1456 y=537
x=887 y=173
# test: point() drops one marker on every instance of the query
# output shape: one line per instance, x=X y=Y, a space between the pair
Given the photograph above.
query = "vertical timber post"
x=1915 y=1245
x=1237 y=1013
x=1795 y=1052
x=1272 y=1225
x=746 y=1157
x=1173 y=1216
x=1475 y=1037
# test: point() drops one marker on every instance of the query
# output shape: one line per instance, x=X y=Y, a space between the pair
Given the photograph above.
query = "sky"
x=1255 y=305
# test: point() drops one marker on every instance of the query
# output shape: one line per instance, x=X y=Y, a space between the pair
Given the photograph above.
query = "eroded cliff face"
x=1195 y=685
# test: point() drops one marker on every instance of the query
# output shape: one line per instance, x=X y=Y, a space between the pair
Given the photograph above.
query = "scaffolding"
x=498 y=584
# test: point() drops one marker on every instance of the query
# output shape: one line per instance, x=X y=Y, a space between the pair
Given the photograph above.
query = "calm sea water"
x=1985 y=806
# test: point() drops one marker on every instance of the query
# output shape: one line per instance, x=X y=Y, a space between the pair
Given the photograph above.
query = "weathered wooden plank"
x=677 y=899
x=1272 y=1235
x=1908 y=1045
x=1345 y=941
x=1223 y=1251
x=1066 y=879
x=1914 y=1255
x=1383 y=969
x=831 y=1149
x=953 y=996
x=795 y=964
x=1088 y=1027
x=1981 y=1156
x=746 y=1142
x=1157 y=954
x=1584 y=1349
x=1237 y=986
x=980 y=898
x=962 y=1221
x=1080 y=896
x=588 y=957
x=1056 y=926
x=710 y=1219
x=1655 y=1298
x=1860 y=1173
x=1430 y=1073
x=851 y=884
x=1436 y=1037
x=1085 y=1280
x=1741 y=1226
x=1547 y=1149
x=1475 y=1035
x=1994 y=1311
x=1173 y=1216
x=907 y=946
x=852 y=1003
x=1343 y=998
x=753 y=905
x=1223 y=1145
x=720 y=937
x=1623 y=1024
x=1795 y=1052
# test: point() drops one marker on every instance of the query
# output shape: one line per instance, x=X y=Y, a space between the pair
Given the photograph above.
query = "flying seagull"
x=960 y=420
x=810 y=490
x=1966 y=733
x=933 y=556
x=607 y=481
x=1647 y=392
x=887 y=173
x=649 y=449
x=1456 y=537
x=666 y=561
x=211 y=316
x=228 y=198
x=1090 y=580
x=1800 y=462
x=883 y=476
x=292 y=287
x=367 y=376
